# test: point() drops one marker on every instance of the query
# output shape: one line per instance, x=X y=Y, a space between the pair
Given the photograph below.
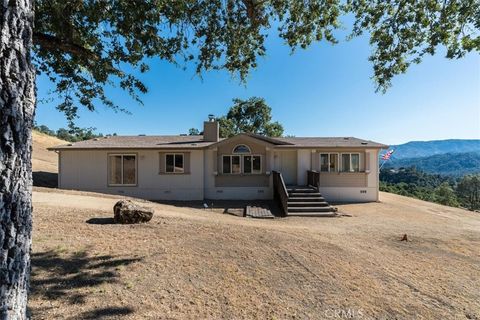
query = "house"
x=243 y=167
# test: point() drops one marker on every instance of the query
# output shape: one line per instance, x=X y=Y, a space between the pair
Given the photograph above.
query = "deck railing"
x=313 y=178
x=280 y=193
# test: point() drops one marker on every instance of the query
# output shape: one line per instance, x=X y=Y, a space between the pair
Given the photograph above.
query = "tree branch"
x=52 y=43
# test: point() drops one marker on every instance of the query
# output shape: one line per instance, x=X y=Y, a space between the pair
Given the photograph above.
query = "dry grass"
x=44 y=162
x=42 y=159
x=190 y=263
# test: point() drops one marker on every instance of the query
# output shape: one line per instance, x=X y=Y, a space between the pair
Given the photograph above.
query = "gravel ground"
x=195 y=264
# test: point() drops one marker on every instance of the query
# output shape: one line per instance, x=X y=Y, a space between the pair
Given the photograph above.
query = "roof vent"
x=364 y=143
x=141 y=135
x=346 y=138
x=211 y=118
x=70 y=144
x=183 y=135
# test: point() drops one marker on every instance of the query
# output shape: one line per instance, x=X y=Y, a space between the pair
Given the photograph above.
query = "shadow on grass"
x=70 y=278
x=100 y=221
x=106 y=313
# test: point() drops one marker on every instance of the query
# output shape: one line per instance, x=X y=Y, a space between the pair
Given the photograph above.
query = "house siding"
x=260 y=180
x=353 y=186
x=343 y=179
x=304 y=163
x=237 y=186
x=88 y=170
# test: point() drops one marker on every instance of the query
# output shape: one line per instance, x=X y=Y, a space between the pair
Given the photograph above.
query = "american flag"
x=387 y=155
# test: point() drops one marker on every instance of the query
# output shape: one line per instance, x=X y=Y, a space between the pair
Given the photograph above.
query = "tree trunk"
x=17 y=105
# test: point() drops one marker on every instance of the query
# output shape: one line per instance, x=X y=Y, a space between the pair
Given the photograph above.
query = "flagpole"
x=381 y=166
x=389 y=153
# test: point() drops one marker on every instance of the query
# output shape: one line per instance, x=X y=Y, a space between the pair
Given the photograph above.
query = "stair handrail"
x=280 y=193
x=313 y=178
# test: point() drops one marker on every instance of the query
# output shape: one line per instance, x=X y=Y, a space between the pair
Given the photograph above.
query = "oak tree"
x=251 y=116
x=84 y=46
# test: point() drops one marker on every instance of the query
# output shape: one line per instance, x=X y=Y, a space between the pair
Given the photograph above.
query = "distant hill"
x=44 y=162
x=452 y=164
x=418 y=149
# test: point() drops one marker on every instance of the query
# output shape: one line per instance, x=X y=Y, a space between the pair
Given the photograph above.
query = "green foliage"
x=454 y=192
x=226 y=127
x=71 y=135
x=403 y=32
x=414 y=176
x=45 y=129
x=445 y=195
x=83 y=46
x=251 y=116
x=411 y=182
x=468 y=191
x=193 y=132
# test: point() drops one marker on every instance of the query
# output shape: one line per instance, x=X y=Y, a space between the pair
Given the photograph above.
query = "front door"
x=286 y=163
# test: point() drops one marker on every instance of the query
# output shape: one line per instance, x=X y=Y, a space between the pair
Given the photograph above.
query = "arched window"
x=241 y=148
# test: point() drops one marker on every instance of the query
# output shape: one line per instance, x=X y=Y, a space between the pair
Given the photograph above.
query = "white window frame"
x=121 y=171
x=241 y=144
x=350 y=160
x=174 y=155
x=329 y=154
x=252 y=172
x=231 y=164
x=242 y=164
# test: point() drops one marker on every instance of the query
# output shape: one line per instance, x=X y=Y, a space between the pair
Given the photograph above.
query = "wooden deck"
x=259 y=212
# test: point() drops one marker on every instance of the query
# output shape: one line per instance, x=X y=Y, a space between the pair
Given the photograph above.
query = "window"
x=328 y=162
x=241 y=148
x=236 y=164
x=333 y=162
x=252 y=164
x=247 y=164
x=350 y=162
x=324 y=162
x=231 y=164
x=226 y=164
x=355 y=159
x=257 y=164
x=174 y=163
x=122 y=169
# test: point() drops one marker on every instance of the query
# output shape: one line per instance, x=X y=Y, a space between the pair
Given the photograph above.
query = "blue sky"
x=322 y=91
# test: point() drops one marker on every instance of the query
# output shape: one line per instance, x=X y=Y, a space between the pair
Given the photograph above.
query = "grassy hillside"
x=192 y=263
x=417 y=149
x=451 y=164
x=44 y=162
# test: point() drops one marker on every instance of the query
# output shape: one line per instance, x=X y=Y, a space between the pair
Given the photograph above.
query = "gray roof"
x=138 y=142
x=326 y=142
x=197 y=142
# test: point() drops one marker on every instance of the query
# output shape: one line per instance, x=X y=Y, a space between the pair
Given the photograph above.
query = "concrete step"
x=307 y=203
x=304 y=194
x=312 y=214
x=306 y=199
x=309 y=209
x=304 y=190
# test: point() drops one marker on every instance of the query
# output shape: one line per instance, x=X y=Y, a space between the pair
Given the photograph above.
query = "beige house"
x=245 y=167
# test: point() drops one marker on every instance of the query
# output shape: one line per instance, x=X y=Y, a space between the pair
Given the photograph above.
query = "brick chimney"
x=211 y=131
